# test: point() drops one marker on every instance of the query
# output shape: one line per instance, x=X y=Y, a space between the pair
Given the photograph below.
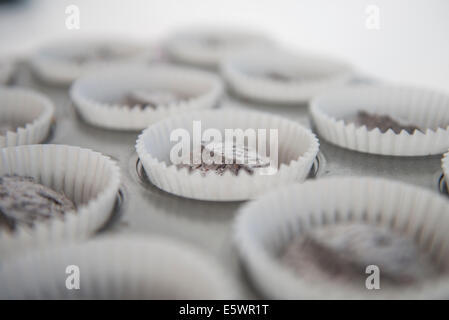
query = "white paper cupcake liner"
x=121 y=267
x=31 y=111
x=190 y=46
x=298 y=148
x=241 y=72
x=96 y=95
x=6 y=70
x=265 y=226
x=88 y=178
x=424 y=108
x=52 y=65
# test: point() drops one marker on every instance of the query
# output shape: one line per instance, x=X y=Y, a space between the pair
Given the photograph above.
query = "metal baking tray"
x=143 y=208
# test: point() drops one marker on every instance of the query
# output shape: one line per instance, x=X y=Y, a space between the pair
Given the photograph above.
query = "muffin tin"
x=142 y=208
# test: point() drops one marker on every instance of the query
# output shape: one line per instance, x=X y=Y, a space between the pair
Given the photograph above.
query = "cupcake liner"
x=298 y=148
x=424 y=108
x=30 y=110
x=120 y=267
x=94 y=94
x=265 y=226
x=6 y=71
x=191 y=46
x=88 y=178
x=52 y=63
x=241 y=72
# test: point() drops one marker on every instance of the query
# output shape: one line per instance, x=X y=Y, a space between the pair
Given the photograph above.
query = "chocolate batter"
x=233 y=158
x=383 y=122
x=342 y=253
x=23 y=201
x=152 y=98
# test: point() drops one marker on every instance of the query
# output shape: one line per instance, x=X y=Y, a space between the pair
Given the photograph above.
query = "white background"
x=412 y=45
